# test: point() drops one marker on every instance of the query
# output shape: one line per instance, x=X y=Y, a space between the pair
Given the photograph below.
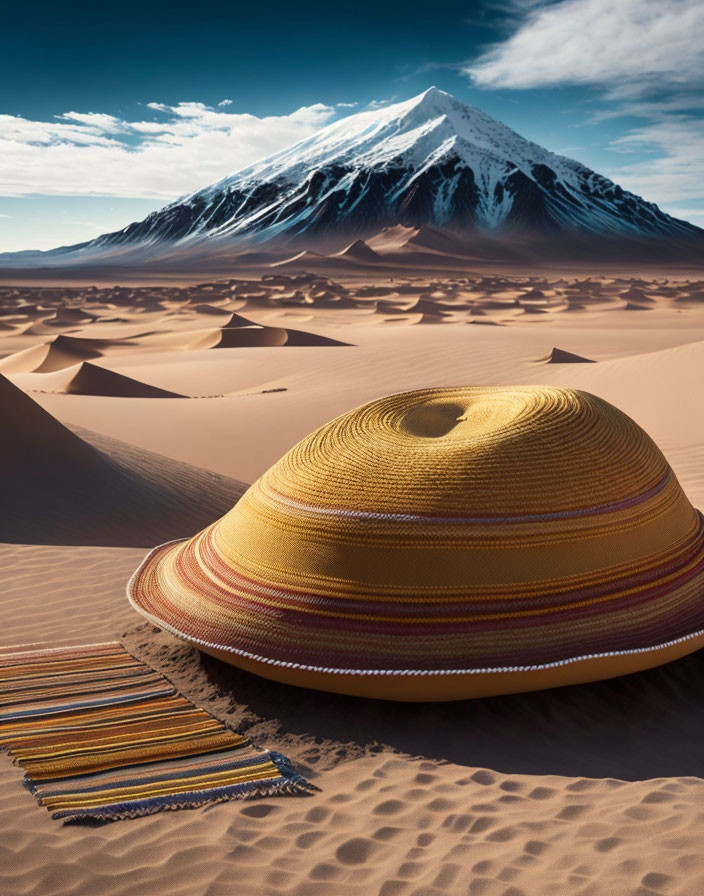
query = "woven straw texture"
x=445 y=531
x=101 y=737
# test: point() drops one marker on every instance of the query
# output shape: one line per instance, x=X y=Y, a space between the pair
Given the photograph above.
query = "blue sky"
x=110 y=111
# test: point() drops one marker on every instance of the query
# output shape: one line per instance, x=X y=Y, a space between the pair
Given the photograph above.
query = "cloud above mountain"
x=171 y=150
x=628 y=48
x=643 y=58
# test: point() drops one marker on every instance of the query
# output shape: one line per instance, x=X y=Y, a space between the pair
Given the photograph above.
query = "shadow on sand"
x=645 y=725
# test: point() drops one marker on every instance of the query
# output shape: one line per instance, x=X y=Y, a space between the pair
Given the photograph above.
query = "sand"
x=589 y=790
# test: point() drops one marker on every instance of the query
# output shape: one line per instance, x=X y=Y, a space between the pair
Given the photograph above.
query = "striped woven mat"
x=100 y=735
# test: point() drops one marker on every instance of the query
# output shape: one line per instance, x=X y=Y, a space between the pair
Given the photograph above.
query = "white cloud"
x=379 y=104
x=645 y=57
x=628 y=47
x=95 y=121
x=675 y=173
x=694 y=215
x=225 y=103
x=181 y=149
x=16 y=130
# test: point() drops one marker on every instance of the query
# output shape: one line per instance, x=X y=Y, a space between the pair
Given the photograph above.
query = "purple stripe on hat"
x=374 y=516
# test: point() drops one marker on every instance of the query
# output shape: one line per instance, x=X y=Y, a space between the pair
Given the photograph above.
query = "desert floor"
x=189 y=393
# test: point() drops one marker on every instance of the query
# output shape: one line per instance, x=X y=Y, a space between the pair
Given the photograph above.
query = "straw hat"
x=444 y=544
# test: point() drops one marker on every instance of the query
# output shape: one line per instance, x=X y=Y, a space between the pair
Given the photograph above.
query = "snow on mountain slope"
x=430 y=161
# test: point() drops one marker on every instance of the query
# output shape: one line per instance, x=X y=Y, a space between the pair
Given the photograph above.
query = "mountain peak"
x=432 y=97
x=431 y=104
x=430 y=161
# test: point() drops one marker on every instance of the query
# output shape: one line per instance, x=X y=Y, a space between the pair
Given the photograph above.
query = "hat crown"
x=472 y=452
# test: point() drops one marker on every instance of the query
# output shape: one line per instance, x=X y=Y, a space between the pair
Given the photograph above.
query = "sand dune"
x=249 y=336
x=300 y=260
x=633 y=306
x=390 y=307
x=294 y=299
x=560 y=356
x=299 y=337
x=244 y=334
x=593 y=790
x=43 y=327
x=74 y=315
x=236 y=320
x=362 y=252
x=651 y=387
x=533 y=294
x=636 y=295
x=91 y=379
x=68 y=317
x=427 y=307
x=205 y=308
x=30 y=438
x=62 y=351
x=498 y=304
x=26 y=310
x=74 y=487
x=86 y=378
x=532 y=309
x=432 y=240
x=391 y=238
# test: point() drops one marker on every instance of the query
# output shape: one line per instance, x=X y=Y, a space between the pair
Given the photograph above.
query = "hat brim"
x=409 y=685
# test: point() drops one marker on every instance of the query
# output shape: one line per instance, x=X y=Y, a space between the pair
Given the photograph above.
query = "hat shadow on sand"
x=645 y=725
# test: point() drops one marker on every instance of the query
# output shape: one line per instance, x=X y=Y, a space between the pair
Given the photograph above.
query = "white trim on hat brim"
x=490 y=670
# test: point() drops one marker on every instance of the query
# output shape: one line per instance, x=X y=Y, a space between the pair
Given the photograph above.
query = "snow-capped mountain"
x=431 y=161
